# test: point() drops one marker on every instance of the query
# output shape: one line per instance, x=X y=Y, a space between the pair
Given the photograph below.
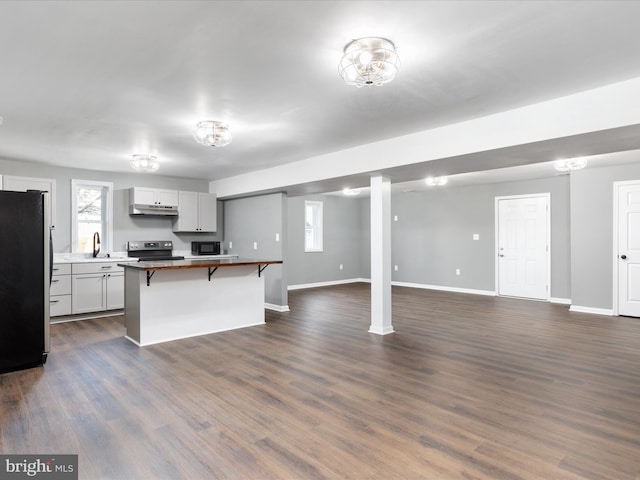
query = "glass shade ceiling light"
x=369 y=61
x=436 y=181
x=145 y=163
x=568 y=164
x=212 y=134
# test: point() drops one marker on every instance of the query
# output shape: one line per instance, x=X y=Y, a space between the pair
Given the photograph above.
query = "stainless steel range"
x=147 y=251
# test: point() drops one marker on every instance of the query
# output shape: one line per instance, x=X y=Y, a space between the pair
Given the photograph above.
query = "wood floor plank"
x=468 y=387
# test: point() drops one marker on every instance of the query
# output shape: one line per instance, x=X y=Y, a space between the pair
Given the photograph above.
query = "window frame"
x=318 y=207
x=106 y=241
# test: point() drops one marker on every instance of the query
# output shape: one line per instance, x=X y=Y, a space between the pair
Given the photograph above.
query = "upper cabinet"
x=22 y=184
x=154 y=196
x=152 y=201
x=197 y=212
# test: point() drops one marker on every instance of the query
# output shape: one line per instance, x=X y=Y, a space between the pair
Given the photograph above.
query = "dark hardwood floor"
x=469 y=387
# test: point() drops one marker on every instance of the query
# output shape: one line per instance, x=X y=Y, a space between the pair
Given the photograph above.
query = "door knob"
x=501 y=255
x=623 y=257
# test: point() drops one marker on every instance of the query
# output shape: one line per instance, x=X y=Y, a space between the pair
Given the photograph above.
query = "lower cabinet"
x=96 y=287
x=60 y=293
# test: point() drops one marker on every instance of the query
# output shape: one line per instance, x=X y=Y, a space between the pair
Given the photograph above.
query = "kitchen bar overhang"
x=212 y=265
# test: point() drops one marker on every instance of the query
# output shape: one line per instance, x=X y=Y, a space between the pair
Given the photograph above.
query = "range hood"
x=142 y=209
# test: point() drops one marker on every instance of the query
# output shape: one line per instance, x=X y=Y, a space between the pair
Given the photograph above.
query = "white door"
x=628 y=256
x=523 y=246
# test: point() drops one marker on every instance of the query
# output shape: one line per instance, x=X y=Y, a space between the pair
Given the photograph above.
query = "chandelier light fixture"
x=145 y=163
x=369 y=61
x=568 y=164
x=212 y=134
x=436 y=181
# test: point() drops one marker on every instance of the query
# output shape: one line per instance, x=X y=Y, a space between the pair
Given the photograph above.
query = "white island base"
x=183 y=302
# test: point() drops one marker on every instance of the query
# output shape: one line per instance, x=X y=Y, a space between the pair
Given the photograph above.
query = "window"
x=312 y=226
x=91 y=212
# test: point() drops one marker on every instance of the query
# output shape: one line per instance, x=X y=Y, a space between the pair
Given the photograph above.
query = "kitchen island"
x=173 y=299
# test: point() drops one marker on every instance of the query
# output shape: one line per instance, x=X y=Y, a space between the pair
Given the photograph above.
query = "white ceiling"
x=88 y=84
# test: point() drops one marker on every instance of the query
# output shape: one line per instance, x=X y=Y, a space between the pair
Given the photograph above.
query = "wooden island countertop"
x=196 y=263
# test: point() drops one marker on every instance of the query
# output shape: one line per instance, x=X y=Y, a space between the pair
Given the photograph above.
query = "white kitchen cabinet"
x=153 y=196
x=197 y=212
x=96 y=287
x=88 y=292
x=60 y=291
x=115 y=291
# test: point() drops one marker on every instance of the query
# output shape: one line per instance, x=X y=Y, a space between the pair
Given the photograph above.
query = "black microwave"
x=205 y=248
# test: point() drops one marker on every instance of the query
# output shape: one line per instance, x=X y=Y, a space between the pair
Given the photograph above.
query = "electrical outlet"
x=230 y=244
x=255 y=245
x=395 y=218
x=476 y=236
x=395 y=267
x=277 y=237
x=340 y=266
x=457 y=271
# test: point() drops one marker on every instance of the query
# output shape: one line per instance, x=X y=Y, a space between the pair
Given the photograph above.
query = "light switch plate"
x=230 y=244
x=255 y=245
x=277 y=237
x=476 y=236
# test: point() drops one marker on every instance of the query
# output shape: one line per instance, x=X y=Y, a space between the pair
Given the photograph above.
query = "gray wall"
x=344 y=234
x=434 y=234
x=592 y=231
x=431 y=238
x=259 y=219
x=125 y=227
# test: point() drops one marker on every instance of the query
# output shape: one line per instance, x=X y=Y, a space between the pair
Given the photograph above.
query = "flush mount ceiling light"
x=436 y=181
x=212 y=134
x=145 y=163
x=570 y=164
x=350 y=192
x=369 y=61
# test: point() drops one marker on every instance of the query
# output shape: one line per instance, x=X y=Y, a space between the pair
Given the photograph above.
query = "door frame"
x=614 y=257
x=547 y=197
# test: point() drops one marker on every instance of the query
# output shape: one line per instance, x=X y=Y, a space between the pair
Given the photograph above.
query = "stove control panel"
x=149 y=245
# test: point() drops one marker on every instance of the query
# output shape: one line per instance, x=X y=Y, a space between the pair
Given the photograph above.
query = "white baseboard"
x=327 y=284
x=85 y=316
x=381 y=331
x=489 y=293
x=596 y=311
x=277 y=308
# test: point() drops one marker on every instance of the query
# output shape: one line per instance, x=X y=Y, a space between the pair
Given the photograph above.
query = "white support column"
x=380 y=255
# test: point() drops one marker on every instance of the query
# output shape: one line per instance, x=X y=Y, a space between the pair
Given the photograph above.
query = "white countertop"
x=122 y=257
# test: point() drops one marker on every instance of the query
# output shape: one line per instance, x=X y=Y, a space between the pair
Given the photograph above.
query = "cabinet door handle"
x=55 y=281
x=107 y=266
x=54 y=301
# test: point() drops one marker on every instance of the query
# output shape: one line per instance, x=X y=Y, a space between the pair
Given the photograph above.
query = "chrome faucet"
x=96 y=244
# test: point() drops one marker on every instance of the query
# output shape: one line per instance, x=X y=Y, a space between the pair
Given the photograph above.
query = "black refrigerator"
x=25 y=269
